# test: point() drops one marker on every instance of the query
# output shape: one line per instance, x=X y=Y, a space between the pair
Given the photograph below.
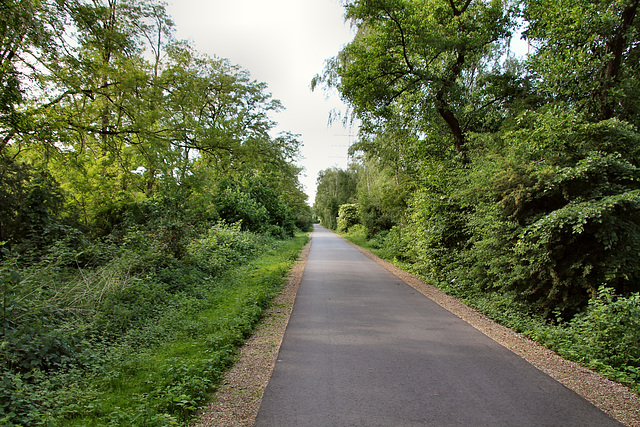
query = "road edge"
x=611 y=397
x=237 y=400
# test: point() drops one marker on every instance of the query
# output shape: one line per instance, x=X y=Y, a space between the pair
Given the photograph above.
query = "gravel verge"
x=237 y=401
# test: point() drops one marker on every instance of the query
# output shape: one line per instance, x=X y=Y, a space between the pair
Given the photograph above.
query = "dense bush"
x=222 y=247
x=14 y=178
x=438 y=226
x=604 y=337
x=305 y=219
x=348 y=216
x=556 y=213
x=256 y=206
x=74 y=336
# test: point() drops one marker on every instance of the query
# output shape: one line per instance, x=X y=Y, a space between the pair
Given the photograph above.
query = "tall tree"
x=94 y=101
x=587 y=53
x=335 y=187
x=118 y=110
x=425 y=53
x=214 y=107
x=29 y=31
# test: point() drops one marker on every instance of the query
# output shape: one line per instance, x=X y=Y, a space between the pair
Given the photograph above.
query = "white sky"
x=283 y=43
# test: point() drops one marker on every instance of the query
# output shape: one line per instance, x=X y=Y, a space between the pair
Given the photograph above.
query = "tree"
x=587 y=53
x=347 y=217
x=213 y=106
x=119 y=111
x=95 y=105
x=382 y=195
x=29 y=32
x=335 y=187
x=424 y=54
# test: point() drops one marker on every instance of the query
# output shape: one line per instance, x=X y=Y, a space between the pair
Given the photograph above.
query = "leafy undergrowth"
x=140 y=341
x=604 y=337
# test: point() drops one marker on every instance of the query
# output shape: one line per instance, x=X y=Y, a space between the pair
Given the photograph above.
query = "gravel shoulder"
x=237 y=401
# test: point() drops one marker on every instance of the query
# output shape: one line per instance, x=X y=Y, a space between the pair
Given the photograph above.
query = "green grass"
x=166 y=383
x=357 y=235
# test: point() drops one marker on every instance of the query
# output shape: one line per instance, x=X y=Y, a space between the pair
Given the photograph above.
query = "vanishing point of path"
x=364 y=349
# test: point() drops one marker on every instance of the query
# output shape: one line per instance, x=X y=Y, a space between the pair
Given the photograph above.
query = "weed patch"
x=142 y=340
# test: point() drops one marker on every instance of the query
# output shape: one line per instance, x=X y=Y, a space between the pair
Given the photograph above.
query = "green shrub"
x=237 y=206
x=606 y=337
x=304 y=220
x=347 y=217
x=395 y=244
x=378 y=240
x=579 y=247
x=256 y=205
x=552 y=214
x=14 y=188
x=357 y=234
x=374 y=218
x=223 y=246
x=439 y=232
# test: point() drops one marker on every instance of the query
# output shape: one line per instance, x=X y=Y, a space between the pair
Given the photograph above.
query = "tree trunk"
x=615 y=49
x=452 y=122
x=444 y=109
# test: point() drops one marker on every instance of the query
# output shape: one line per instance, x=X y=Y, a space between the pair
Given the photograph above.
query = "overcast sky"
x=283 y=43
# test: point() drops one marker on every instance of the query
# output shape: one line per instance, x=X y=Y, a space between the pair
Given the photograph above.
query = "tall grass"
x=141 y=340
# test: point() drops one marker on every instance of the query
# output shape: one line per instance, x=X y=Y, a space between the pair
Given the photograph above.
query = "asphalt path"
x=362 y=348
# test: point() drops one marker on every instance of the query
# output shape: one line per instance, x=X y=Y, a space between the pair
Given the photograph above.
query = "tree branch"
x=403 y=40
x=457 y=12
x=615 y=47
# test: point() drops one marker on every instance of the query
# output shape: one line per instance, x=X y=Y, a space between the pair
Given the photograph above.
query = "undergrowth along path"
x=238 y=398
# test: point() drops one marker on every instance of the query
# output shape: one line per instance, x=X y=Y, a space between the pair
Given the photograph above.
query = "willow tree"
x=424 y=55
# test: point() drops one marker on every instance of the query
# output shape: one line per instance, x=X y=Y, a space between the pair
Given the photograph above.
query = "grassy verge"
x=166 y=384
x=152 y=349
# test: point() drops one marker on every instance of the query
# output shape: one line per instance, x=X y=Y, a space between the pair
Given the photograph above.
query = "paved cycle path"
x=362 y=348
